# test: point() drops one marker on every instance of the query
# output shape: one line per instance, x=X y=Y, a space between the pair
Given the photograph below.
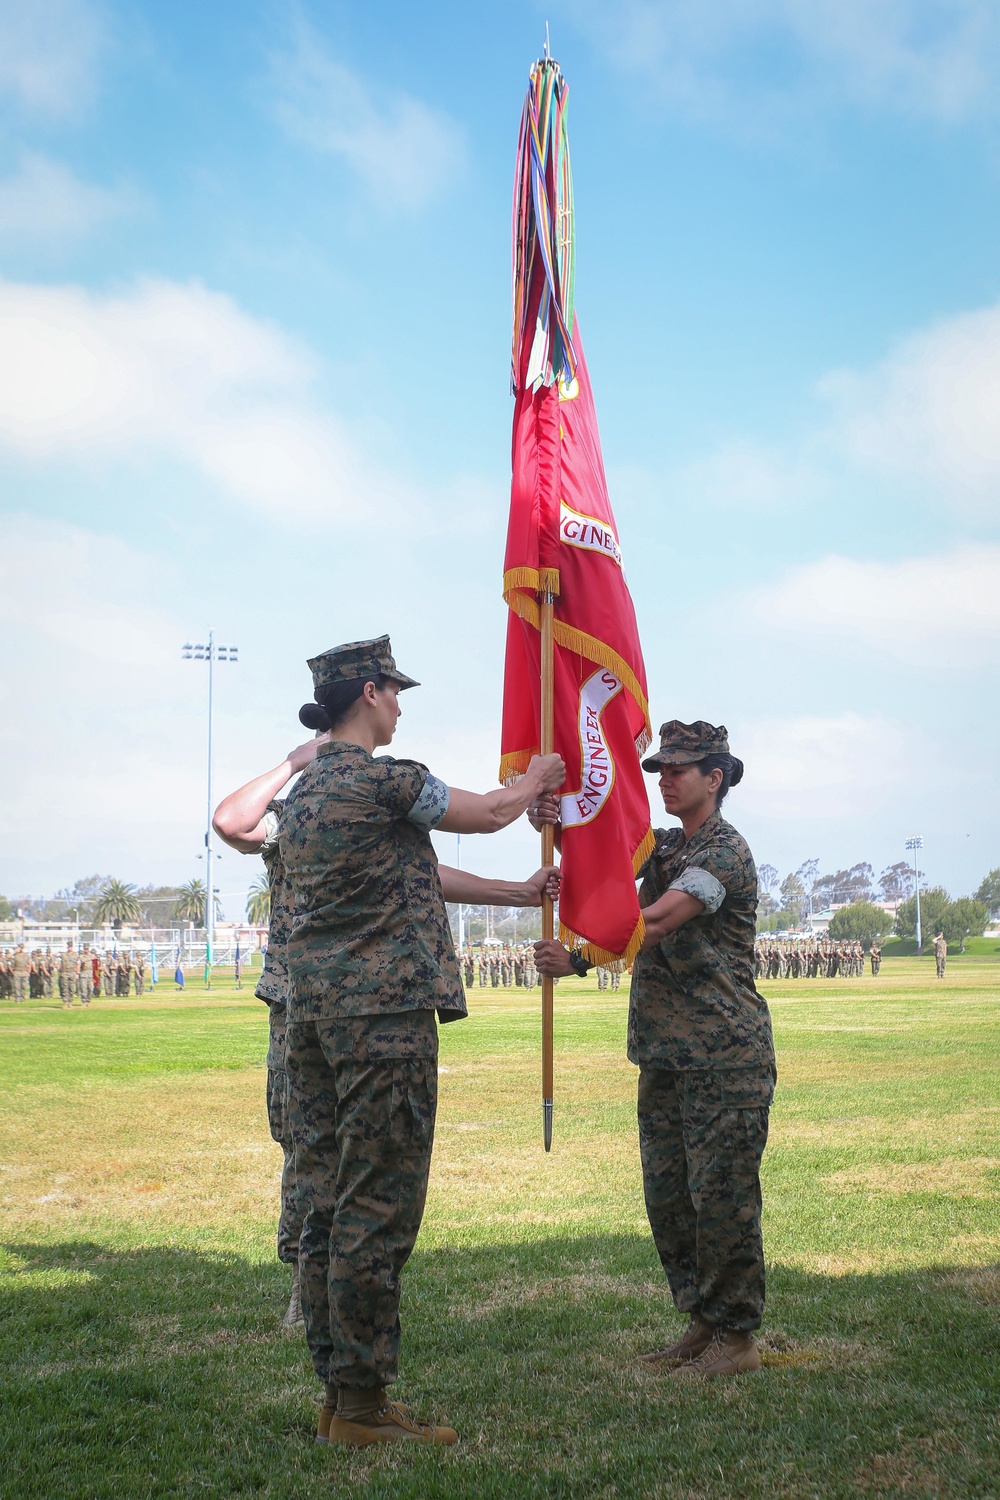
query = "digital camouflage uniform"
x=370 y=959
x=273 y=988
x=85 y=983
x=940 y=954
x=68 y=970
x=20 y=975
x=701 y=1037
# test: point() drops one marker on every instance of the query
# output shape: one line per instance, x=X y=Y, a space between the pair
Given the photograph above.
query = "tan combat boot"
x=696 y=1337
x=293 y=1317
x=327 y=1412
x=730 y=1352
x=366 y=1417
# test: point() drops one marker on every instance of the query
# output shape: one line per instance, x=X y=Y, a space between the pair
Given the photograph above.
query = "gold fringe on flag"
x=513 y=766
x=643 y=852
x=616 y=962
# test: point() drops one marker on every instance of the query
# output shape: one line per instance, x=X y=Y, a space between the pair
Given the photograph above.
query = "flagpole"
x=547 y=746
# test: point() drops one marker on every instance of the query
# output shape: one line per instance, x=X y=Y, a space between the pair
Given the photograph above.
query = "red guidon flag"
x=562 y=539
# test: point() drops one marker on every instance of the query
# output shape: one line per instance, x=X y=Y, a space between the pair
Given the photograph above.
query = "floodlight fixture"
x=210 y=652
x=913 y=843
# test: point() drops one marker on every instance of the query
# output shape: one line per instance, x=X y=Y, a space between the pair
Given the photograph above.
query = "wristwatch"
x=578 y=963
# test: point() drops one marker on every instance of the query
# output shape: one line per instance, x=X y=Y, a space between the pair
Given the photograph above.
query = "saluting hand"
x=304 y=755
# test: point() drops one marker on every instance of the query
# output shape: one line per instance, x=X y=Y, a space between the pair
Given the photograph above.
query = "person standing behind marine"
x=940 y=953
x=86 y=979
x=701 y=1036
x=139 y=973
x=370 y=959
x=68 y=971
x=249 y=820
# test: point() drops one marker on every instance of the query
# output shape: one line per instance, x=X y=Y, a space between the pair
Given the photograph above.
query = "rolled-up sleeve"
x=702 y=885
x=270 y=823
x=431 y=805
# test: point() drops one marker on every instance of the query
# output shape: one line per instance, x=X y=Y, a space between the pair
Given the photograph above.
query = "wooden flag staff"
x=547 y=745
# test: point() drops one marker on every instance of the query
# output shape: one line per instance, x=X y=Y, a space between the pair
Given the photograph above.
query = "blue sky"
x=254 y=315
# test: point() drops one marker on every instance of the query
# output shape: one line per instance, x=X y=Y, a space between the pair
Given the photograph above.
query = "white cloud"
x=402 y=150
x=49 y=51
x=177 y=372
x=50 y=571
x=821 y=769
x=936 y=58
x=925 y=610
x=930 y=409
x=926 y=414
x=43 y=205
x=743 y=476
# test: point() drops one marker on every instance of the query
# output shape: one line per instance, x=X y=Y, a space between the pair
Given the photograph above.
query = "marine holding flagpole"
x=700 y=1035
x=370 y=959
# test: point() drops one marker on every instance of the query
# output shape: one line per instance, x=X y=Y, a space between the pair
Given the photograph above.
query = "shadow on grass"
x=159 y=1371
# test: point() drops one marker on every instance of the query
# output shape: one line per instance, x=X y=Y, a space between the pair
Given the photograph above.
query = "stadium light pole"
x=461 y=908
x=913 y=844
x=211 y=653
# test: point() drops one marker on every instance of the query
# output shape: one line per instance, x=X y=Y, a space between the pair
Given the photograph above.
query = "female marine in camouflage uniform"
x=370 y=959
x=701 y=1036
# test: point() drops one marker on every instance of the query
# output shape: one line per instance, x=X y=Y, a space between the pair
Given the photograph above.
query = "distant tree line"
x=783 y=903
x=98 y=900
x=786 y=903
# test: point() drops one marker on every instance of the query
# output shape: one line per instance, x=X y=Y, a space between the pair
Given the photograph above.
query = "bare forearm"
x=477 y=890
x=237 y=816
x=487 y=812
x=664 y=916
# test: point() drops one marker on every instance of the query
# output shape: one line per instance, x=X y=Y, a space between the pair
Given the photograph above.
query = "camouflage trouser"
x=363 y=1099
x=290 y=1218
x=940 y=968
x=20 y=988
x=701 y=1136
x=86 y=983
x=67 y=988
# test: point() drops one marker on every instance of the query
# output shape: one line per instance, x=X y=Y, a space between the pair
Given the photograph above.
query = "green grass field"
x=140 y=1331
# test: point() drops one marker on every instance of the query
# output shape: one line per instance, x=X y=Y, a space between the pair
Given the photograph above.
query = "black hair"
x=732 y=773
x=334 y=701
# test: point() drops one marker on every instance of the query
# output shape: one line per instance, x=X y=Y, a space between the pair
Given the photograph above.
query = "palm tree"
x=116 y=903
x=191 y=906
x=259 y=902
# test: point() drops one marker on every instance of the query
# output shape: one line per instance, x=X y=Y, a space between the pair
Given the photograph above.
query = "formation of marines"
x=508 y=966
x=502 y=967
x=76 y=974
x=812 y=958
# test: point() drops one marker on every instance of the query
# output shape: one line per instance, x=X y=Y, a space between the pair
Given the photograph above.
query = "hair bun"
x=737 y=772
x=314 y=716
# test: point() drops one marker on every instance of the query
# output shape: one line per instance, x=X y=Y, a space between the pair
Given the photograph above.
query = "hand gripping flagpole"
x=548 y=855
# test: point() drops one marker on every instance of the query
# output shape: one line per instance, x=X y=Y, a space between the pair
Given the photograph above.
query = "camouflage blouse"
x=369 y=934
x=694 y=1003
x=273 y=983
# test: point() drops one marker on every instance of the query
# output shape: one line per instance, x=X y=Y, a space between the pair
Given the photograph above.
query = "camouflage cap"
x=358 y=659
x=683 y=744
